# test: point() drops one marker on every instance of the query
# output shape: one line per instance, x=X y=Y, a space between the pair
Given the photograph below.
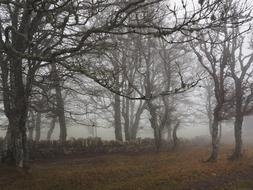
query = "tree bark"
x=59 y=105
x=125 y=114
x=154 y=125
x=174 y=135
x=117 y=118
x=15 y=107
x=16 y=91
x=158 y=138
x=135 y=126
x=215 y=136
x=238 y=121
x=238 y=137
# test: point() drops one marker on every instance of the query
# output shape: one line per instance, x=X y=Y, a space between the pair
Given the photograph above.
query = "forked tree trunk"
x=135 y=126
x=15 y=107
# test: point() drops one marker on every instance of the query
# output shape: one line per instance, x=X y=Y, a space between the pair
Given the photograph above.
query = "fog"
x=189 y=132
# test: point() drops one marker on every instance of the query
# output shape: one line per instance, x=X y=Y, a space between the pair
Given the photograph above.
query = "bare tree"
x=241 y=72
x=216 y=66
x=59 y=103
x=215 y=57
x=37 y=33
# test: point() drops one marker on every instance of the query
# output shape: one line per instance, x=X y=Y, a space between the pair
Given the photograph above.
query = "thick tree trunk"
x=238 y=138
x=117 y=118
x=238 y=121
x=15 y=105
x=135 y=126
x=17 y=153
x=215 y=136
x=51 y=129
x=174 y=136
x=238 y=128
x=154 y=125
x=38 y=127
x=134 y=130
x=62 y=123
x=158 y=138
x=16 y=91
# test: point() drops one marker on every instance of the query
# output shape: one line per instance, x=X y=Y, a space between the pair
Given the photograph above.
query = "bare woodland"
x=123 y=64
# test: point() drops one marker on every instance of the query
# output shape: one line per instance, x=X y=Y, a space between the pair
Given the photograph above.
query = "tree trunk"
x=154 y=125
x=51 y=129
x=169 y=133
x=62 y=121
x=215 y=138
x=210 y=125
x=220 y=131
x=238 y=121
x=135 y=126
x=174 y=135
x=238 y=137
x=158 y=138
x=125 y=114
x=17 y=154
x=131 y=118
x=134 y=130
x=15 y=107
x=30 y=133
x=117 y=118
x=37 y=127
x=17 y=78
x=60 y=105
x=31 y=126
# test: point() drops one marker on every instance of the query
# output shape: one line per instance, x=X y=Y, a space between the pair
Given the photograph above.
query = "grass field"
x=148 y=171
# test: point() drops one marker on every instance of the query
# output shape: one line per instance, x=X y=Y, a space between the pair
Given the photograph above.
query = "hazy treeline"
x=120 y=63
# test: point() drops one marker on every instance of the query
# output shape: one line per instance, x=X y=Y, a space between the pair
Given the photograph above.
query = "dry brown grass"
x=148 y=171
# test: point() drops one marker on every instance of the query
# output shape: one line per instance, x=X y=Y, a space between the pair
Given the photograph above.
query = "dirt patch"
x=181 y=170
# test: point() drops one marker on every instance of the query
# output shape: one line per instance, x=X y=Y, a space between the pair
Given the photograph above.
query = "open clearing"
x=183 y=169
